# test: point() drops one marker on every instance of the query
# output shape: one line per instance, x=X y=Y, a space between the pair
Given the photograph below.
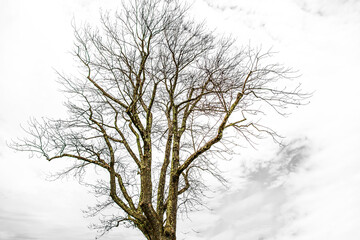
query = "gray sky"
x=318 y=199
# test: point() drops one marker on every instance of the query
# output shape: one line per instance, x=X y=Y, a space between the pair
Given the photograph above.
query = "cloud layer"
x=307 y=191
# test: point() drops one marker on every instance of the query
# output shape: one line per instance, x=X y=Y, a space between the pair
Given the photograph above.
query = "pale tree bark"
x=153 y=108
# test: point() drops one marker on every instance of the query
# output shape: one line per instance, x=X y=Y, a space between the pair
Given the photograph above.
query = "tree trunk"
x=163 y=237
x=160 y=235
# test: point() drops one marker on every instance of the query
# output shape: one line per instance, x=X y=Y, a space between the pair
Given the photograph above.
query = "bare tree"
x=154 y=109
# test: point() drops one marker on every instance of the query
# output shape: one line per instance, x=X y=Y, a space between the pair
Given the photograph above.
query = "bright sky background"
x=319 y=199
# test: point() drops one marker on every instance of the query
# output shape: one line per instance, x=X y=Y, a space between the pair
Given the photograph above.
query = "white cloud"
x=321 y=197
x=319 y=201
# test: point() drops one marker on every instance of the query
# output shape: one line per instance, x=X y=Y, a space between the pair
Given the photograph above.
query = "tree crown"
x=157 y=97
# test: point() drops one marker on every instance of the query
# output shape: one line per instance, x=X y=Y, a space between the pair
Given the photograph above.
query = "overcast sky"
x=315 y=196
